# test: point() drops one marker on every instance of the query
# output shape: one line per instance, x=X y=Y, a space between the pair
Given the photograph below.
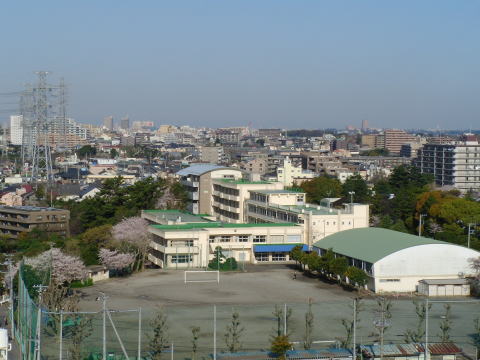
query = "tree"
x=435 y=228
x=339 y=266
x=321 y=187
x=384 y=314
x=417 y=335
x=309 y=326
x=234 y=333
x=133 y=235
x=159 y=338
x=113 y=153
x=114 y=260
x=280 y=345
x=92 y=240
x=80 y=329
x=220 y=261
x=281 y=318
x=86 y=151
x=476 y=335
x=348 y=325
x=296 y=253
x=356 y=276
x=62 y=268
x=195 y=337
x=358 y=185
x=446 y=325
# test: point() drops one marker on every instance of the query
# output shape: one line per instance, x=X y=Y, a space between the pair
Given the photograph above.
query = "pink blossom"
x=114 y=260
x=64 y=268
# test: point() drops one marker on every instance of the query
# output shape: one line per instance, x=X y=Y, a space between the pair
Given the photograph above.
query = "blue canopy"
x=277 y=248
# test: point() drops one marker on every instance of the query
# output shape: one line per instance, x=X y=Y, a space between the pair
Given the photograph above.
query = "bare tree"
x=159 y=338
x=308 y=340
x=280 y=318
x=349 y=323
x=195 y=337
x=417 y=335
x=435 y=228
x=446 y=325
x=234 y=333
x=78 y=332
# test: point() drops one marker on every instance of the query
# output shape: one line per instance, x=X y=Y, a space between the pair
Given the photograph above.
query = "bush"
x=81 y=283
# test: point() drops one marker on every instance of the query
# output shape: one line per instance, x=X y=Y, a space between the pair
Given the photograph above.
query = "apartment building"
x=15 y=220
x=394 y=139
x=197 y=180
x=182 y=240
x=456 y=164
x=212 y=154
x=288 y=174
x=229 y=195
x=373 y=141
x=318 y=221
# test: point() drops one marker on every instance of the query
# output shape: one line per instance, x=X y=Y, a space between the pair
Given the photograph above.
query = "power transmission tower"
x=42 y=157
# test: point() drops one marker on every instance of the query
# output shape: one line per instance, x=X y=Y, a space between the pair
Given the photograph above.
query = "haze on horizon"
x=289 y=64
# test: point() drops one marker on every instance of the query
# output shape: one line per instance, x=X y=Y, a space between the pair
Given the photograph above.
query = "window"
x=279 y=256
x=389 y=280
x=188 y=242
x=225 y=238
x=261 y=257
x=211 y=240
x=242 y=238
x=181 y=259
x=259 y=238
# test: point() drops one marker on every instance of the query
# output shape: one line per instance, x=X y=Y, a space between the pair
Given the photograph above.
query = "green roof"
x=242 y=181
x=210 y=225
x=268 y=192
x=371 y=244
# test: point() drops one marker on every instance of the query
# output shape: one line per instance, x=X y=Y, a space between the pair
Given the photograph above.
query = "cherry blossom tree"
x=114 y=260
x=133 y=235
x=63 y=268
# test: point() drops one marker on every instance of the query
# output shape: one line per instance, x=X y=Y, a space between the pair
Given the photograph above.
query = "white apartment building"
x=229 y=196
x=318 y=221
x=182 y=240
x=16 y=129
x=197 y=180
x=288 y=174
x=456 y=164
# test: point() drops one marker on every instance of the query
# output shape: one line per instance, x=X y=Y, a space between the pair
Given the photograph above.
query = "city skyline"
x=287 y=65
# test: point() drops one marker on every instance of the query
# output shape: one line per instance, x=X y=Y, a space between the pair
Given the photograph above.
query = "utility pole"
x=61 y=334
x=214 y=332
x=285 y=320
x=420 y=224
x=40 y=289
x=381 y=323
x=104 y=298
x=354 y=345
x=426 y=330
x=470 y=233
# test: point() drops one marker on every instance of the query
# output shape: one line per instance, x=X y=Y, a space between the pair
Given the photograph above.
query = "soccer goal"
x=202 y=276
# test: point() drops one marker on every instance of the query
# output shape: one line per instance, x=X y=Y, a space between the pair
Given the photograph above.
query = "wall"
x=408 y=266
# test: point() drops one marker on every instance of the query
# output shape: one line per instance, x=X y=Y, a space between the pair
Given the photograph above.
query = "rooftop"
x=372 y=244
x=199 y=226
x=200 y=169
x=177 y=215
x=269 y=192
x=29 y=208
x=242 y=181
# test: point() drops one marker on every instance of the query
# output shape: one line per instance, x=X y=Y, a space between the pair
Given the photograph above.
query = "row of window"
x=227 y=202
x=181 y=259
x=225 y=213
x=281 y=215
x=226 y=190
x=238 y=238
x=276 y=256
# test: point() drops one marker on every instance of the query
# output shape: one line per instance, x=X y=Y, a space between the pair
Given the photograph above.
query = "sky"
x=265 y=63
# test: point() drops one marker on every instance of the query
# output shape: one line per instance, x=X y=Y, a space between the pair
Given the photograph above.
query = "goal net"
x=202 y=276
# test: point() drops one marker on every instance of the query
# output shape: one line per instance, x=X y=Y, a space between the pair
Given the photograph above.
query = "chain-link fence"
x=84 y=335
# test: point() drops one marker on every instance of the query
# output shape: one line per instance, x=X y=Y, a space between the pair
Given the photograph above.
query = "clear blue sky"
x=274 y=63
